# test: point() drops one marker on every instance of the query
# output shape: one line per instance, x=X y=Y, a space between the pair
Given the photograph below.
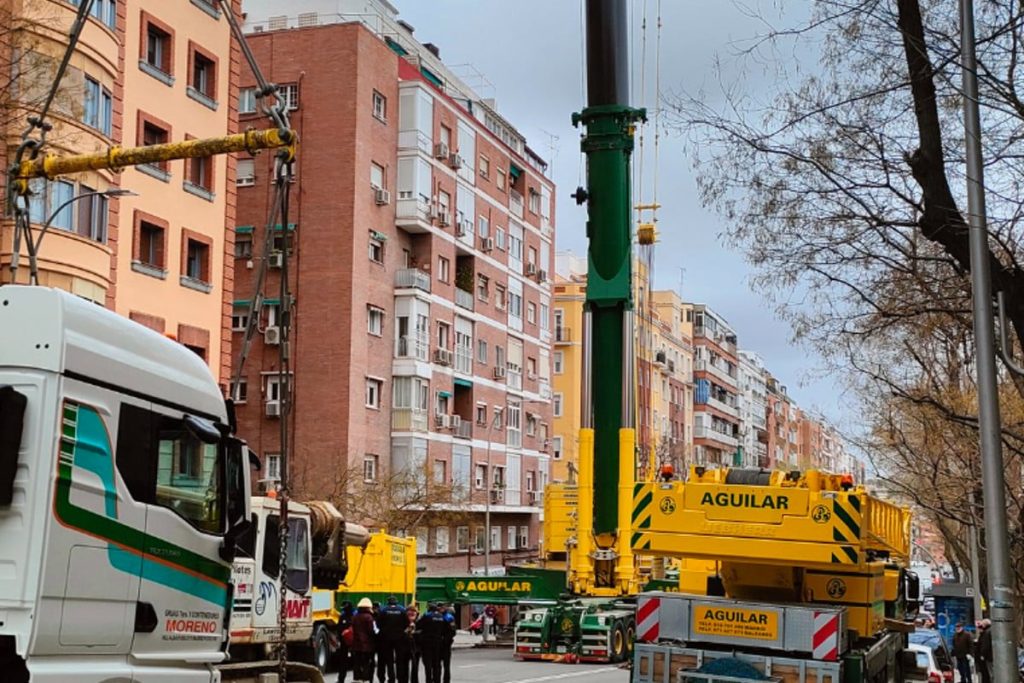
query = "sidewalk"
x=465 y=639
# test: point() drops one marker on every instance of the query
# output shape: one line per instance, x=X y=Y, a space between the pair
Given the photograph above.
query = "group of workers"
x=393 y=639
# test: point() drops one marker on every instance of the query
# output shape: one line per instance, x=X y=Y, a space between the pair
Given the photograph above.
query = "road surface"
x=492 y=665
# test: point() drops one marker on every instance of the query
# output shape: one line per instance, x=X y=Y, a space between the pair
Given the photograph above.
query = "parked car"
x=933 y=640
x=927 y=667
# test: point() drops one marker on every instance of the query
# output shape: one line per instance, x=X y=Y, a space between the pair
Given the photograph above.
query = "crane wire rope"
x=283 y=177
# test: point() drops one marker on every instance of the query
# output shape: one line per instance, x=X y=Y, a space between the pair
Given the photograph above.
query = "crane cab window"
x=297 y=572
x=189 y=478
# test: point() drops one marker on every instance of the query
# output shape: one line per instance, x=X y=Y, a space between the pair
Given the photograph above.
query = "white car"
x=927 y=665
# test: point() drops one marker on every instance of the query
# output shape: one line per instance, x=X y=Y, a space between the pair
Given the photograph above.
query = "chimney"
x=407 y=26
x=433 y=49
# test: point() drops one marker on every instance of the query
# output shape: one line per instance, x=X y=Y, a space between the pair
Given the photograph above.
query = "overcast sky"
x=531 y=54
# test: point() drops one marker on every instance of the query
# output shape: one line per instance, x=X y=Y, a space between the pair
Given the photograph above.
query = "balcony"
x=464 y=430
x=412 y=213
x=515 y=379
x=464 y=299
x=408 y=420
x=411 y=347
x=702 y=432
x=715 y=371
x=724 y=407
x=515 y=203
x=563 y=335
x=412 y=278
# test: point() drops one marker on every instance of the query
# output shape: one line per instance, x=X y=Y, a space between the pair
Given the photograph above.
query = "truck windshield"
x=189 y=479
x=296 y=575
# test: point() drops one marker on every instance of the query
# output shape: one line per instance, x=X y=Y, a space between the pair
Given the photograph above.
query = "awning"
x=271 y=302
x=459 y=382
x=444 y=394
x=378 y=236
x=291 y=226
x=241 y=303
x=243 y=229
x=514 y=171
x=431 y=76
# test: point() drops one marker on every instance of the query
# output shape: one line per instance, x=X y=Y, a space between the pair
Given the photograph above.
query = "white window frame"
x=556 y=404
x=374 y=388
x=556 y=447
x=558 y=362
x=380 y=107
x=371 y=464
x=374 y=242
x=272 y=470
x=462 y=539
x=375 y=313
x=441 y=540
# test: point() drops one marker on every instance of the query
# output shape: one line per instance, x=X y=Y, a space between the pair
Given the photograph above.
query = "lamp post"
x=33 y=246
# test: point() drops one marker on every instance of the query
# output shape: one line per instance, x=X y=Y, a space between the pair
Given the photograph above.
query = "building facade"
x=716 y=418
x=419 y=246
x=144 y=72
x=753 y=401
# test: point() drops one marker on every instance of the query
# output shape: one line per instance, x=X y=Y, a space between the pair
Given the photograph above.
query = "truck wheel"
x=321 y=649
x=630 y=638
x=618 y=650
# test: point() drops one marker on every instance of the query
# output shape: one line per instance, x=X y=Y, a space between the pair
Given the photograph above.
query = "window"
x=247 y=101
x=370 y=463
x=97 y=110
x=531 y=313
x=200 y=174
x=524 y=537
x=556 y=448
x=531 y=426
x=273 y=466
x=446 y=136
x=440 y=472
x=485 y=227
x=443 y=334
x=92 y=214
x=373 y=390
x=296 y=570
x=421 y=540
x=151 y=245
x=482 y=287
x=290 y=94
x=500 y=179
x=499 y=297
x=443 y=269
x=485 y=167
x=380 y=106
x=158 y=48
x=480 y=539
x=480 y=477
x=545 y=316
x=375 y=320
x=203 y=75
x=557 y=405
x=515 y=304
x=481 y=414
x=104 y=11
x=441 y=540
x=534 y=201
x=376 y=176
x=240 y=391
x=197 y=261
x=246 y=172
x=495 y=538
x=188 y=476
x=376 y=249
x=154 y=134
x=282 y=241
x=499 y=356
x=461 y=539
x=499 y=239
x=240 y=317
x=558 y=361
x=481 y=351
x=243 y=245
x=511 y=538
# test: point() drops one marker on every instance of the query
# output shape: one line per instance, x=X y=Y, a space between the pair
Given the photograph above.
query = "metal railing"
x=563 y=335
x=411 y=347
x=412 y=277
x=515 y=203
x=408 y=420
x=464 y=299
x=464 y=430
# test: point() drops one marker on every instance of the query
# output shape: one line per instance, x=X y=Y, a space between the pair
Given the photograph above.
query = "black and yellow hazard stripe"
x=846 y=554
x=846 y=519
x=643 y=495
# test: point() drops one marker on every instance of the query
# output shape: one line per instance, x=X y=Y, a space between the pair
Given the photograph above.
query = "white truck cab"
x=122 y=494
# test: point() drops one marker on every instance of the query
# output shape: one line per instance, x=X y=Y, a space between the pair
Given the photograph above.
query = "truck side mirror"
x=12 y=421
x=236 y=490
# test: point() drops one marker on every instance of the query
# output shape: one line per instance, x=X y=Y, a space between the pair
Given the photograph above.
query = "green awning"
x=291 y=226
x=378 y=236
x=271 y=302
x=398 y=49
x=514 y=171
x=444 y=394
x=241 y=303
x=243 y=228
x=431 y=76
x=459 y=382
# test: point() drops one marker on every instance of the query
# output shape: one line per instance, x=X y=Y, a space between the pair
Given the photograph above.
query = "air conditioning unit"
x=441 y=151
x=531 y=375
x=381 y=196
x=272 y=336
x=497 y=496
x=455 y=421
x=433 y=212
x=442 y=356
x=444 y=219
x=542 y=275
x=455 y=161
x=273 y=409
x=531 y=497
x=531 y=269
x=443 y=421
x=465 y=228
x=487 y=244
x=276 y=259
x=499 y=373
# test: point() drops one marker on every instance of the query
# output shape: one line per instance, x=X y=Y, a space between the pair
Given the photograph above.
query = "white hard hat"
x=365 y=602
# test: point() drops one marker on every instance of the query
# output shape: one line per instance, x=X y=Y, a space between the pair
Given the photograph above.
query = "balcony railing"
x=719 y=372
x=515 y=203
x=464 y=430
x=464 y=299
x=411 y=347
x=701 y=432
x=515 y=379
x=563 y=335
x=408 y=420
x=464 y=360
x=724 y=407
x=412 y=277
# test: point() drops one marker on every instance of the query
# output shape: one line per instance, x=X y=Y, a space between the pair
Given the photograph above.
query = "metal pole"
x=972 y=538
x=1004 y=650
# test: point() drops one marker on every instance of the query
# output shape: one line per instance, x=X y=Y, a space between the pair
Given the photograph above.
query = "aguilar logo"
x=668 y=506
x=820 y=514
x=498 y=586
x=745 y=500
x=836 y=588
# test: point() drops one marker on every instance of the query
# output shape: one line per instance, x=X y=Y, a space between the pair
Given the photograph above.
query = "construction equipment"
x=793 y=576
x=122 y=493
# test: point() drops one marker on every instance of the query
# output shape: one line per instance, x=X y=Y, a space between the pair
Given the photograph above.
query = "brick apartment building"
x=420 y=241
x=143 y=72
x=716 y=417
